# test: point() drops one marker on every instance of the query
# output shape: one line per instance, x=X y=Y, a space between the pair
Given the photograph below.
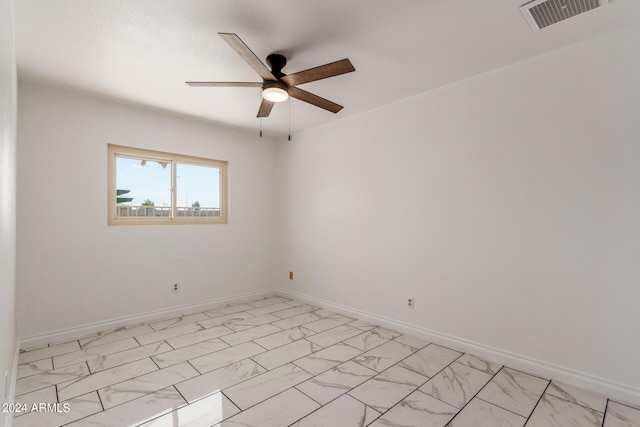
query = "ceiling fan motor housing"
x=277 y=63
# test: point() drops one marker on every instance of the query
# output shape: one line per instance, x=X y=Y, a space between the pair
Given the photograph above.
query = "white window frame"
x=115 y=151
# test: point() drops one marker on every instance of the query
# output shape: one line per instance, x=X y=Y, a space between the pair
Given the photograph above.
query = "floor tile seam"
x=526 y=373
x=168 y=338
x=402 y=360
x=309 y=413
x=335 y=398
x=126 y=363
x=537 y=403
x=107 y=334
x=472 y=367
x=155 y=331
x=220 y=390
x=295 y=360
x=182 y=405
x=310 y=373
x=292 y=342
x=340 y=363
x=573 y=402
x=502 y=407
x=266 y=371
x=98 y=356
x=606 y=410
x=74 y=363
x=332 y=344
x=382 y=413
x=628 y=405
x=280 y=331
x=317 y=409
x=173 y=326
x=232 y=402
x=363 y=351
x=87 y=415
x=604 y=416
x=451 y=363
x=445 y=347
x=262 y=299
x=118 y=382
x=253 y=342
x=263 y=367
x=330 y=329
x=178 y=391
x=437 y=373
x=293 y=306
x=53 y=384
x=158 y=366
x=337 y=363
x=193 y=358
x=219 y=367
x=415 y=350
x=231 y=331
x=365 y=330
x=46 y=357
x=274 y=311
x=101 y=402
x=252 y=327
x=239 y=311
x=396 y=363
x=38 y=373
x=271 y=396
x=440 y=400
x=325 y=330
x=527 y=390
x=472 y=397
x=251 y=339
x=475 y=396
x=224 y=322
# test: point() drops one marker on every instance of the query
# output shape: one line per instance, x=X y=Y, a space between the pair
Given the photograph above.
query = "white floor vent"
x=542 y=13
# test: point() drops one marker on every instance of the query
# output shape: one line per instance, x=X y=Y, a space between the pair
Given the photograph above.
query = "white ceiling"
x=142 y=51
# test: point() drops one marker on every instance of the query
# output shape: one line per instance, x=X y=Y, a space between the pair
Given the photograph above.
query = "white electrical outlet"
x=410 y=303
x=175 y=288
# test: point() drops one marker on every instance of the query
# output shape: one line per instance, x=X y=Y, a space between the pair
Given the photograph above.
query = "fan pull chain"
x=260 y=127
x=289 y=118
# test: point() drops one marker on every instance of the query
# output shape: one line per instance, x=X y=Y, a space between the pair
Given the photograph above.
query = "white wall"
x=7 y=202
x=507 y=205
x=73 y=269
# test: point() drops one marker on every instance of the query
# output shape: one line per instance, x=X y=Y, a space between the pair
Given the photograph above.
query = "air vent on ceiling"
x=542 y=13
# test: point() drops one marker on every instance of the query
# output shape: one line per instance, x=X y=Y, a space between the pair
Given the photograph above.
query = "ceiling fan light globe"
x=275 y=94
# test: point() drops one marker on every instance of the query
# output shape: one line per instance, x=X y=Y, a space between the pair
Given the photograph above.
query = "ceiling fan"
x=277 y=86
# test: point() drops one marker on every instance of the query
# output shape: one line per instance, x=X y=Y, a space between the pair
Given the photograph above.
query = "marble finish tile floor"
x=278 y=362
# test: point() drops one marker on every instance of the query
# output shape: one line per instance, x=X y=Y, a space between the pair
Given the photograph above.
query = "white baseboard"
x=619 y=392
x=623 y=393
x=82 y=331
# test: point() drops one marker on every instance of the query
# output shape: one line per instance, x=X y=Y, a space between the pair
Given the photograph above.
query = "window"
x=152 y=187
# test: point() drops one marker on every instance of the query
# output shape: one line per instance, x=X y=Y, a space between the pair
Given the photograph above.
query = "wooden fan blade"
x=226 y=84
x=265 y=108
x=250 y=58
x=318 y=73
x=312 y=99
